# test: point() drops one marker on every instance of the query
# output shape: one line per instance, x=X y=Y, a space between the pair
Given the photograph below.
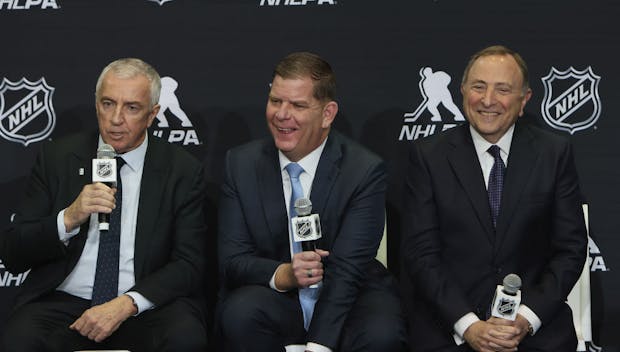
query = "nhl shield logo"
x=160 y=2
x=571 y=101
x=26 y=111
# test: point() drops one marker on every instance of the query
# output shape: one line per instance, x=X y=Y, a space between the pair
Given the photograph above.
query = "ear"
x=329 y=113
x=152 y=115
x=526 y=98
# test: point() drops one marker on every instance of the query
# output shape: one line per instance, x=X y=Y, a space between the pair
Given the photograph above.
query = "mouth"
x=116 y=135
x=488 y=113
x=286 y=130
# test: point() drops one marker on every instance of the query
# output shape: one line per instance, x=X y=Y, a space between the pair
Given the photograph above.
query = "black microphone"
x=306 y=226
x=104 y=170
x=507 y=298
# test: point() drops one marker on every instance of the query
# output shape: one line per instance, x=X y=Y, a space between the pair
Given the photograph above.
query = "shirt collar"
x=309 y=162
x=482 y=145
x=133 y=158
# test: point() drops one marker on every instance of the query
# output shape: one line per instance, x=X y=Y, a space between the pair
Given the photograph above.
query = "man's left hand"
x=99 y=322
x=520 y=324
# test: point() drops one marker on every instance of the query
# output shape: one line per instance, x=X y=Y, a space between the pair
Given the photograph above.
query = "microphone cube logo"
x=571 y=101
x=26 y=111
x=506 y=306
x=304 y=228
x=104 y=169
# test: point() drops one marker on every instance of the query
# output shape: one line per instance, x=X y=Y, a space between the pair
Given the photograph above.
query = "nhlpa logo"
x=26 y=111
x=160 y=2
x=434 y=88
x=169 y=102
x=571 y=101
x=595 y=260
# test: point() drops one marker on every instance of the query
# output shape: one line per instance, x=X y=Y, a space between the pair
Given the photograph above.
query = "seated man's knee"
x=241 y=310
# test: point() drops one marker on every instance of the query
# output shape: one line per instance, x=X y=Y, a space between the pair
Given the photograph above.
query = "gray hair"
x=129 y=68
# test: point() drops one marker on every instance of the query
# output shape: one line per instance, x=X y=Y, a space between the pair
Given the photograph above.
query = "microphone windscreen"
x=106 y=151
x=303 y=206
x=512 y=283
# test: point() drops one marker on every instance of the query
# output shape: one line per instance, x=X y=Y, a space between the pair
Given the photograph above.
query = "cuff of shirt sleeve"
x=272 y=282
x=461 y=326
x=63 y=235
x=531 y=317
x=141 y=303
x=315 y=347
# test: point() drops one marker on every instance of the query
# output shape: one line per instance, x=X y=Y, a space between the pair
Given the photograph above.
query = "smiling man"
x=486 y=199
x=269 y=299
x=136 y=285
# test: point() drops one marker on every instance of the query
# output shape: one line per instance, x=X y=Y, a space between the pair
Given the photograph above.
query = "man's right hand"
x=486 y=337
x=306 y=269
x=94 y=198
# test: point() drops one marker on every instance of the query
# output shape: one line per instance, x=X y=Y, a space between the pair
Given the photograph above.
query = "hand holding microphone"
x=507 y=298
x=307 y=230
x=104 y=171
x=97 y=197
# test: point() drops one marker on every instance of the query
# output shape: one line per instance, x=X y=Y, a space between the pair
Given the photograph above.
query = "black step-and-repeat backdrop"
x=398 y=63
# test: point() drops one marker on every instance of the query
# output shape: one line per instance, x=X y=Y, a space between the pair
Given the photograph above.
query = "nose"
x=283 y=111
x=488 y=97
x=117 y=116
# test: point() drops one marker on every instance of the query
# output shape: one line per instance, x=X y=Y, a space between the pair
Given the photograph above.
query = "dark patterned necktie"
x=105 y=287
x=496 y=182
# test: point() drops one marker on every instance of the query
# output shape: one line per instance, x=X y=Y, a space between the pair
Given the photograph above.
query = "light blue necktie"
x=307 y=296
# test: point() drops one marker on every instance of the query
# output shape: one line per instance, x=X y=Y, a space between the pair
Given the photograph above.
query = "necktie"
x=496 y=182
x=105 y=287
x=307 y=296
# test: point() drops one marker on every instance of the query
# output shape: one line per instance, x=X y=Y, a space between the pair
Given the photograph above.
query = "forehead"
x=496 y=69
x=114 y=86
x=299 y=88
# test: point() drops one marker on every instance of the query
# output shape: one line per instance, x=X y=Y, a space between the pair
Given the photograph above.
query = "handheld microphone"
x=507 y=298
x=306 y=226
x=104 y=170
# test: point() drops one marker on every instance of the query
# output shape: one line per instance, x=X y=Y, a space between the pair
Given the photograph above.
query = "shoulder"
x=350 y=150
x=171 y=154
x=251 y=151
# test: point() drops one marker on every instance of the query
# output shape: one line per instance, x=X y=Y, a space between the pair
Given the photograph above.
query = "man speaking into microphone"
x=269 y=299
x=133 y=284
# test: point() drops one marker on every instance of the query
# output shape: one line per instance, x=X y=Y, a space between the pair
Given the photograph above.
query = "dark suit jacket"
x=348 y=192
x=170 y=229
x=453 y=256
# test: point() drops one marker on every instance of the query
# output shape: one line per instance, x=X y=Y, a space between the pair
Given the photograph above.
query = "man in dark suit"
x=157 y=269
x=267 y=299
x=461 y=239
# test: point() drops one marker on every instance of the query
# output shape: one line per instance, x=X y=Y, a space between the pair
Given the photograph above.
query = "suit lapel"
x=269 y=179
x=154 y=177
x=80 y=174
x=466 y=167
x=523 y=155
x=326 y=174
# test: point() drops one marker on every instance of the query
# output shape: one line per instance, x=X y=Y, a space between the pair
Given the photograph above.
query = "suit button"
x=498 y=270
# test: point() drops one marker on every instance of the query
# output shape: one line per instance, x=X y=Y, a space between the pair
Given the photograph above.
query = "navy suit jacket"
x=454 y=258
x=348 y=192
x=170 y=230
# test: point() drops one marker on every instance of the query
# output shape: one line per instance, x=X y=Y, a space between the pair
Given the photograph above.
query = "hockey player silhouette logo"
x=435 y=91
x=168 y=101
